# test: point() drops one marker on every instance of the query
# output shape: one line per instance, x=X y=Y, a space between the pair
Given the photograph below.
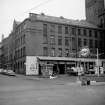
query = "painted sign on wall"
x=32 y=65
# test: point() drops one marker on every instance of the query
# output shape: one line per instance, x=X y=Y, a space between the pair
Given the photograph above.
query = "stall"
x=46 y=70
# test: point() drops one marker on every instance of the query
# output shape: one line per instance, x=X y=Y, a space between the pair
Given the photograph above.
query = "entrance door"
x=61 y=68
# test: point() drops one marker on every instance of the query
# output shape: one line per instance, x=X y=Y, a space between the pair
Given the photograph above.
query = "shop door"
x=61 y=68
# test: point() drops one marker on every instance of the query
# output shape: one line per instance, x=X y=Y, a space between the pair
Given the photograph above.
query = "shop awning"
x=66 y=59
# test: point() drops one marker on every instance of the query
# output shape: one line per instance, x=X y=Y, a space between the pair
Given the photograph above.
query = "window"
x=59 y=40
x=79 y=31
x=24 y=51
x=52 y=39
x=52 y=52
x=60 y=52
x=102 y=34
x=101 y=44
x=45 y=39
x=95 y=32
x=52 y=28
x=24 y=39
x=91 y=43
x=90 y=33
x=73 y=31
x=45 y=51
x=21 y=51
x=96 y=44
x=79 y=42
x=66 y=52
x=73 y=43
x=85 y=42
x=59 y=29
x=44 y=29
x=84 y=32
x=66 y=30
x=66 y=41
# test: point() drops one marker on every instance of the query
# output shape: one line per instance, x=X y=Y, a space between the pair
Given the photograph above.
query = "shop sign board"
x=84 y=51
x=32 y=65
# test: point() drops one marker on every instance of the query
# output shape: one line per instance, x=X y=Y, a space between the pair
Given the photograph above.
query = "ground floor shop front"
x=58 y=65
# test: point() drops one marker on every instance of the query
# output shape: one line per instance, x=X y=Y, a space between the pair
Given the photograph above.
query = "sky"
x=20 y=9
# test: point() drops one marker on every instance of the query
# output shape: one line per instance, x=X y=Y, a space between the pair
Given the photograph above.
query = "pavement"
x=63 y=90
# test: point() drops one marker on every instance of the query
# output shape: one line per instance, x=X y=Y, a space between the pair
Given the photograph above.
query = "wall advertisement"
x=32 y=65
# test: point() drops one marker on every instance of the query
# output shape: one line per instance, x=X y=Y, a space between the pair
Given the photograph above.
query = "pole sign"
x=85 y=52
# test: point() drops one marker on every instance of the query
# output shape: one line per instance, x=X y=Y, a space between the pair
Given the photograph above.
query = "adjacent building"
x=95 y=12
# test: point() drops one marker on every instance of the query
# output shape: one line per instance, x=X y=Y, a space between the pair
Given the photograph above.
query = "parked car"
x=72 y=71
x=4 y=71
x=1 y=70
x=8 y=72
x=11 y=73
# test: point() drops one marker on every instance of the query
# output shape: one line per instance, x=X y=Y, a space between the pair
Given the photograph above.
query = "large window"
x=52 y=52
x=45 y=51
x=90 y=33
x=24 y=51
x=96 y=44
x=66 y=52
x=74 y=43
x=79 y=42
x=59 y=40
x=73 y=31
x=84 y=32
x=60 y=52
x=52 y=28
x=85 y=42
x=96 y=34
x=44 y=29
x=66 y=30
x=59 y=29
x=52 y=39
x=66 y=41
x=79 y=31
x=91 y=43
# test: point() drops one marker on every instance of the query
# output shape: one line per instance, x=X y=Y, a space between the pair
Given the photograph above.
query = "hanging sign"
x=85 y=52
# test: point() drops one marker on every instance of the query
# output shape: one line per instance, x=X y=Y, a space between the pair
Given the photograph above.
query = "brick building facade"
x=41 y=35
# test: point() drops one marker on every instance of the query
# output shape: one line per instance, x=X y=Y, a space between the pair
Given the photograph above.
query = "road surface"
x=42 y=91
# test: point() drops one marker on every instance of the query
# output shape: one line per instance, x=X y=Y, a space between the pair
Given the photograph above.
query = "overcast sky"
x=19 y=9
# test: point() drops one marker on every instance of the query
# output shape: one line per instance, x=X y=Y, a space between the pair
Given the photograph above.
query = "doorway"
x=61 y=68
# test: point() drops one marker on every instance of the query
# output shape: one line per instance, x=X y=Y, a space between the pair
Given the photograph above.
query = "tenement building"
x=95 y=9
x=51 y=40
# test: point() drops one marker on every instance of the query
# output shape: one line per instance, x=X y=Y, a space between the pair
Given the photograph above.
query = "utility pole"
x=98 y=61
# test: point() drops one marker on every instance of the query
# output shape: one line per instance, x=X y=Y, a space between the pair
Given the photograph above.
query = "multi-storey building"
x=102 y=19
x=94 y=8
x=53 y=37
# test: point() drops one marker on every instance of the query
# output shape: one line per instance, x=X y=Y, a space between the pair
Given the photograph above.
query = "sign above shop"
x=85 y=51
